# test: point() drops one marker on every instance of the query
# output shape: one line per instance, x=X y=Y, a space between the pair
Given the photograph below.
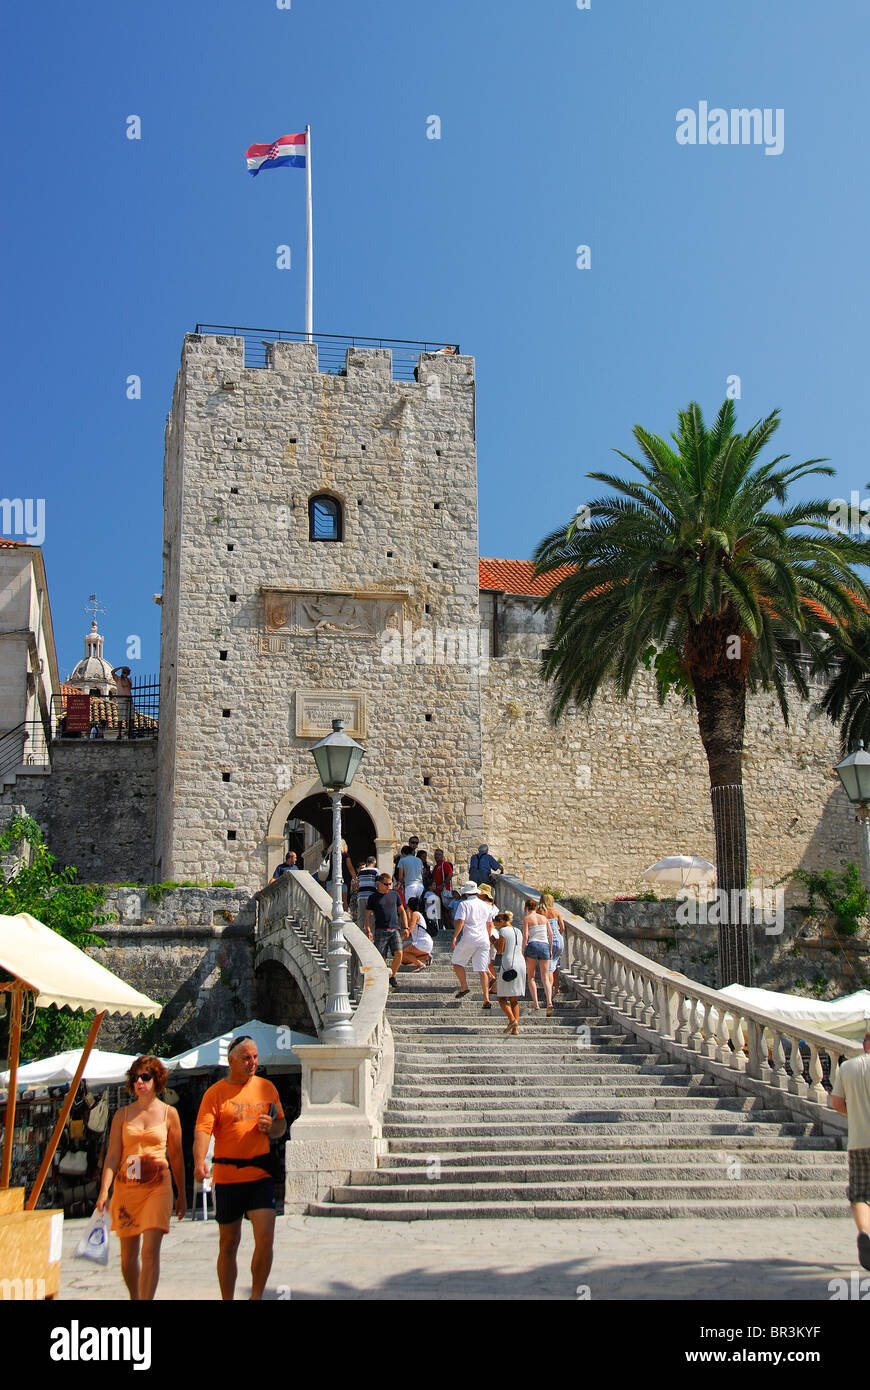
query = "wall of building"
x=594 y=801
x=28 y=664
x=385 y=449
x=96 y=807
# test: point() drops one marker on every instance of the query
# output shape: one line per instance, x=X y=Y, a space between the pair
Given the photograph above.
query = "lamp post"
x=854 y=773
x=337 y=758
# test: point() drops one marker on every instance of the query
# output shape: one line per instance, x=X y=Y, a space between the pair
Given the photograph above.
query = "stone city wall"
x=192 y=951
x=96 y=807
x=246 y=449
x=594 y=801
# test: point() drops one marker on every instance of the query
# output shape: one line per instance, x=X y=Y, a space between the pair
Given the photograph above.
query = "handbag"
x=99 y=1116
x=73 y=1164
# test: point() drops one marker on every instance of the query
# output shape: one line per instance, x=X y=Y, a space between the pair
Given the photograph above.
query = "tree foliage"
x=54 y=898
x=699 y=549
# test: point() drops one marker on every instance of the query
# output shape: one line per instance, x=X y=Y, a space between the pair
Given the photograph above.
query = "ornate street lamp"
x=854 y=773
x=337 y=758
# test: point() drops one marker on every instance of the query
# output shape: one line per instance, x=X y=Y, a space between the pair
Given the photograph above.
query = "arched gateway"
x=311 y=789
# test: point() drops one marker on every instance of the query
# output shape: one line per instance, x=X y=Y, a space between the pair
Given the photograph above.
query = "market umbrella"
x=688 y=870
x=103 y=1068
x=46 y=965
x=275 y=1045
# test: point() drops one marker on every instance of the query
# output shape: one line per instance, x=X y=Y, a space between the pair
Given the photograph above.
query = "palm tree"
x=691 y=570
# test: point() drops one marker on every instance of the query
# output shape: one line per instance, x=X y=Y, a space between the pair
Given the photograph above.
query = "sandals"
x=461 y=993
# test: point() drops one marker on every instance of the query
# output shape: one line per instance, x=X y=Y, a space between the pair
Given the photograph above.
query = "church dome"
x=93 y=671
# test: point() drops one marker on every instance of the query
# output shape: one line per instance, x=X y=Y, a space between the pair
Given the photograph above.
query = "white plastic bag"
x=94 y=1244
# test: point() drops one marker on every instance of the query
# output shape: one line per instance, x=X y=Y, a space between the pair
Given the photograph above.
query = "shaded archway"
x=366 y=800
x=357 y=826
x=279 y=1000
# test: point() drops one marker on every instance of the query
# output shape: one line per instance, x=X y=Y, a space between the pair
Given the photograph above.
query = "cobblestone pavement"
x=338 y=1258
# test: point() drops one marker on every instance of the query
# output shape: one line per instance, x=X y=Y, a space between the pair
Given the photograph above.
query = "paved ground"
x=336 y=1258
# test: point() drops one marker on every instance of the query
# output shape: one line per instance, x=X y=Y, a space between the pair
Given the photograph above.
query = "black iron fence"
x=80 y=715
x=331 y=347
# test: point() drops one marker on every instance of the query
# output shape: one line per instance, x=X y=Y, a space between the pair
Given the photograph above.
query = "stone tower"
x=320 y=560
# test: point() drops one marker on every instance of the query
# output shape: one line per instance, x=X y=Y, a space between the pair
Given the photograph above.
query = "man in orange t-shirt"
x=243 y=1113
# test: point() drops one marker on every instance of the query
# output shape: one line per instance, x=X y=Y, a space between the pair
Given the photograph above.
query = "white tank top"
x=537 y=931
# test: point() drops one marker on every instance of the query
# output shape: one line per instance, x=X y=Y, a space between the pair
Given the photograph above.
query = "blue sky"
x=557 y=129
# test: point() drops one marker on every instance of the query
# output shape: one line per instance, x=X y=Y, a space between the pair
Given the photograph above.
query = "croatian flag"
x=287 y=152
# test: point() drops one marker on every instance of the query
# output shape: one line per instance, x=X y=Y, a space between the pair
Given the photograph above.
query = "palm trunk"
x=721 y=703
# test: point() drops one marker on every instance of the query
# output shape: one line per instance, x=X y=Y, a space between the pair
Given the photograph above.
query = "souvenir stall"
x=73 y=1181
x=39 y=968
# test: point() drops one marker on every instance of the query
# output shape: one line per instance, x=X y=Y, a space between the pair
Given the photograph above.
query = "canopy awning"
x=101 y=1069
x=848 y=1018
x=275 y=1045
x=61 y=974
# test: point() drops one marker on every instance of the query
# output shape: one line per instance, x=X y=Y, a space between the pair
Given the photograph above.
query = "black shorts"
x=388 y=943
x=233 y=1200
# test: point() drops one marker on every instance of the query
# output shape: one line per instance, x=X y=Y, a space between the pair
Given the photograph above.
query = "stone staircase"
x=572 y=1118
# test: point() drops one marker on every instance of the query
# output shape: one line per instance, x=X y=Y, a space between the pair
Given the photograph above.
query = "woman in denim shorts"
x=537 y=948
x=557 y=922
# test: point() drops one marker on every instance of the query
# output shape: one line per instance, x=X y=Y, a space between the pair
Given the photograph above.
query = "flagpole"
x=309 y=259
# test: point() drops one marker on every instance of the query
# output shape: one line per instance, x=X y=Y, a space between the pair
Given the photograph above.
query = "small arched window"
x=324 y=518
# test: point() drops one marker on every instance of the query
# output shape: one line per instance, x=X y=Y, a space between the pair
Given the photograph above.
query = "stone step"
x=590 y=1146
x=510 y=1194
x=578 y=1211
x=447 y=1132
x=489 y=1075
x=581 y=1088
x=683 y=1109
x=667 y=1165
x=639 y=1158
x=485 y=1049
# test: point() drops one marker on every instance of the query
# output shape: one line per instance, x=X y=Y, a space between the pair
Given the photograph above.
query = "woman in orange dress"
x=141 y=1206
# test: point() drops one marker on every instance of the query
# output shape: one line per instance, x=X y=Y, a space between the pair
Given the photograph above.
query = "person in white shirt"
x=472 y=918
x=851 y=1097
x=409 y=874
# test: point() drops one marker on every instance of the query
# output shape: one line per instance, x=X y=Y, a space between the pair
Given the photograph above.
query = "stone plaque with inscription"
x=316 y=709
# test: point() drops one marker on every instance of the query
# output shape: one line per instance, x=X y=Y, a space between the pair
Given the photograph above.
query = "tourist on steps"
x=557 y=922
x=537 y=949
x=511 y=986
x=472 y=919
x=416 y=943
x=384 y=912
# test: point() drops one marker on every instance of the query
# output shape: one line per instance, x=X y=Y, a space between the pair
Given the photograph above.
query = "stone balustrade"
x=743 y=1046
x=345 y=1087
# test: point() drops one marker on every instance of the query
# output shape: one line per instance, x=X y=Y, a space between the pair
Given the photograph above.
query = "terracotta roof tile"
x=518 y=577
x=11 y=545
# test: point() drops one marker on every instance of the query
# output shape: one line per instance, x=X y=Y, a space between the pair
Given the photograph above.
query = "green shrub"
x=839 y=895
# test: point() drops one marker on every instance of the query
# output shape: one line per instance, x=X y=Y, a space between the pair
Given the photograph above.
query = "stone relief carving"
x=310 y=613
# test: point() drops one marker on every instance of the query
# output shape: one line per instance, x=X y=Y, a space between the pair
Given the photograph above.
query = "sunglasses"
x=142 y=1076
